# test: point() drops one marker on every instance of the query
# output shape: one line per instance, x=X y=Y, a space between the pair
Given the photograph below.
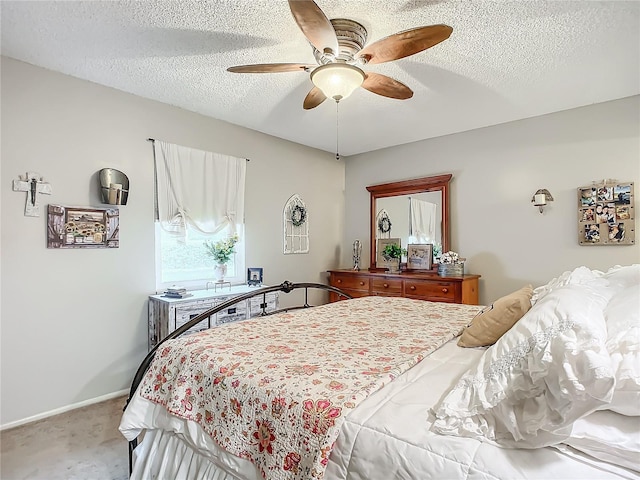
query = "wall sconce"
x=114 y=186
x=541 y=198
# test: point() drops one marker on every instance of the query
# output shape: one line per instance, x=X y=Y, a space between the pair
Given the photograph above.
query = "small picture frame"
x=622 y=194
x=382 y=262
x=254 y=277
x=419 y=256
x=588 y=196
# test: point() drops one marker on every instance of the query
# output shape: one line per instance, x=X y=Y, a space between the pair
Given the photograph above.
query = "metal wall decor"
x=79 y=227
x=296 y=226
x=606 y=213
x=114 y=186
x=33 y=184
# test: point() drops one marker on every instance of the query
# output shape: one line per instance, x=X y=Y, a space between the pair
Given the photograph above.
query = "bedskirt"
x=164 y=454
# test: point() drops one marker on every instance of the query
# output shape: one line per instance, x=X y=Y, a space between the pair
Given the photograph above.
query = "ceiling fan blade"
x=314 y=98
x=270 y=68
x=403 y=44
x=315 y=25
x=386 y=86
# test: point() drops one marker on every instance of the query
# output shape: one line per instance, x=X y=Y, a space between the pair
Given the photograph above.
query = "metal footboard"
x=285 y=287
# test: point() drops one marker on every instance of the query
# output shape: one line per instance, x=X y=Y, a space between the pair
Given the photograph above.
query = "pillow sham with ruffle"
x=551 y=368
x=577 y=276
x=620 y=277
x=622 y=317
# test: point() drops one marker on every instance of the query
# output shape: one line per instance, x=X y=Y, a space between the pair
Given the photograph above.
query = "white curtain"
x=423 y=219
x=198 y=189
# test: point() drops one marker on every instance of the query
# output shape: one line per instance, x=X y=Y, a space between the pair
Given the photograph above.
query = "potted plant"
x=393 y=252
x=221 y=251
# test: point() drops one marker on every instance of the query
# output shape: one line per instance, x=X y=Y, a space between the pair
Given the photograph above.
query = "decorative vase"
x=450 y=269
x=219 y=272
x=395 y=266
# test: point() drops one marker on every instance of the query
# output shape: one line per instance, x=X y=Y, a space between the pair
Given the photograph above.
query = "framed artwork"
x=605 y=214
x=254 y=277
x=82 y=227
x=382 y=262
x=419 y=256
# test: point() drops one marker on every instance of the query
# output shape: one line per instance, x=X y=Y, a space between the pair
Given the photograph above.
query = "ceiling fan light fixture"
x=337 y=80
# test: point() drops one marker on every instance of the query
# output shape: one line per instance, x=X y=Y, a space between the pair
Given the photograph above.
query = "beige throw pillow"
x=496 y=319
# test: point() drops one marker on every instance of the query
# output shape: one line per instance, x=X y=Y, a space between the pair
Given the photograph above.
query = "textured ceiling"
x=506 y=60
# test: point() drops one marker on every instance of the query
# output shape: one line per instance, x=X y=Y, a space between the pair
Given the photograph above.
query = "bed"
x=379 y=388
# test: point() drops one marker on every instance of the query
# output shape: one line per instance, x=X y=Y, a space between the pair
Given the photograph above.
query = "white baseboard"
x=67 y=408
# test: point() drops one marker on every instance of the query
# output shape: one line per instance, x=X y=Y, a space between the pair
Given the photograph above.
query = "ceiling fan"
x=340 y=51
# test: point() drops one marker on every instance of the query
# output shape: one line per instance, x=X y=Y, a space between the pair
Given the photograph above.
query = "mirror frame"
x=438 y=183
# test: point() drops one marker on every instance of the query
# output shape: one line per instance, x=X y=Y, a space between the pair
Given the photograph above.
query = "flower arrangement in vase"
x=221 y=251
x=450 y=264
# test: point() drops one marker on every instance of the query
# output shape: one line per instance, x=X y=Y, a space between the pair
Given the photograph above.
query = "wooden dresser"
x=423 y=286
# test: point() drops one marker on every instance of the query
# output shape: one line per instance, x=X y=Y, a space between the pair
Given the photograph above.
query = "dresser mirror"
x=415 y=211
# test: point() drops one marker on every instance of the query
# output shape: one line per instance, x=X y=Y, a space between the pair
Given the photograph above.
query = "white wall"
x=495 y=171
x=74 y=322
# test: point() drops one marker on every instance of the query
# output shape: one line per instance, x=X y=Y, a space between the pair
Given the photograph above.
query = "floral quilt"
x=276 y=389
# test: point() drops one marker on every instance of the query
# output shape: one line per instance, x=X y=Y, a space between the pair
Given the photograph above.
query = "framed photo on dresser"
x=419 y=256
x=254 y=277
x=382 y=262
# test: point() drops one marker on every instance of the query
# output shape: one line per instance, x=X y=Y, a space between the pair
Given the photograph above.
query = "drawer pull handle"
x=412 y=287
x=445 y=290
x=362 y=283
x=339 y=281
x=385 y=285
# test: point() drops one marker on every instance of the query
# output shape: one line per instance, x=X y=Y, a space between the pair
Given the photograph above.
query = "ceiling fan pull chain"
x=337 y=133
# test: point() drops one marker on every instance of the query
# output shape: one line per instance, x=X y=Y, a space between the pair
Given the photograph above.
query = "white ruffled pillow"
x=609 y=437
x=551 y=368
x=622 y=317
x=578 y=276
x=621 y=277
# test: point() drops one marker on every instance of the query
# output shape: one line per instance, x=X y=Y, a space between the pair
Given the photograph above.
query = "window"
x=184 y=261
x=199 y=197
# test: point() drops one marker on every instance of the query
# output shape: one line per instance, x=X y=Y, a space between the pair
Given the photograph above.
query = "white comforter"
x=386 y=437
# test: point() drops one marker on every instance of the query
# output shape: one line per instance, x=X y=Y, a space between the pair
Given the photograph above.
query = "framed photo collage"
x=606 y=214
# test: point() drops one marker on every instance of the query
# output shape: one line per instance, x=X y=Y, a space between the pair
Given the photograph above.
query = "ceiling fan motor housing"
x=352 y=37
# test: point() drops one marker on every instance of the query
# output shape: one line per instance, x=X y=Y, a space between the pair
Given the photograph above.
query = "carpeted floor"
x=83 y=444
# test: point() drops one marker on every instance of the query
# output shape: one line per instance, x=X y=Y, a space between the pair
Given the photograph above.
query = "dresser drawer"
x=351 y=282
x=386 y=286
x=186 y=313
x=438 y=291
x=233 y=313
